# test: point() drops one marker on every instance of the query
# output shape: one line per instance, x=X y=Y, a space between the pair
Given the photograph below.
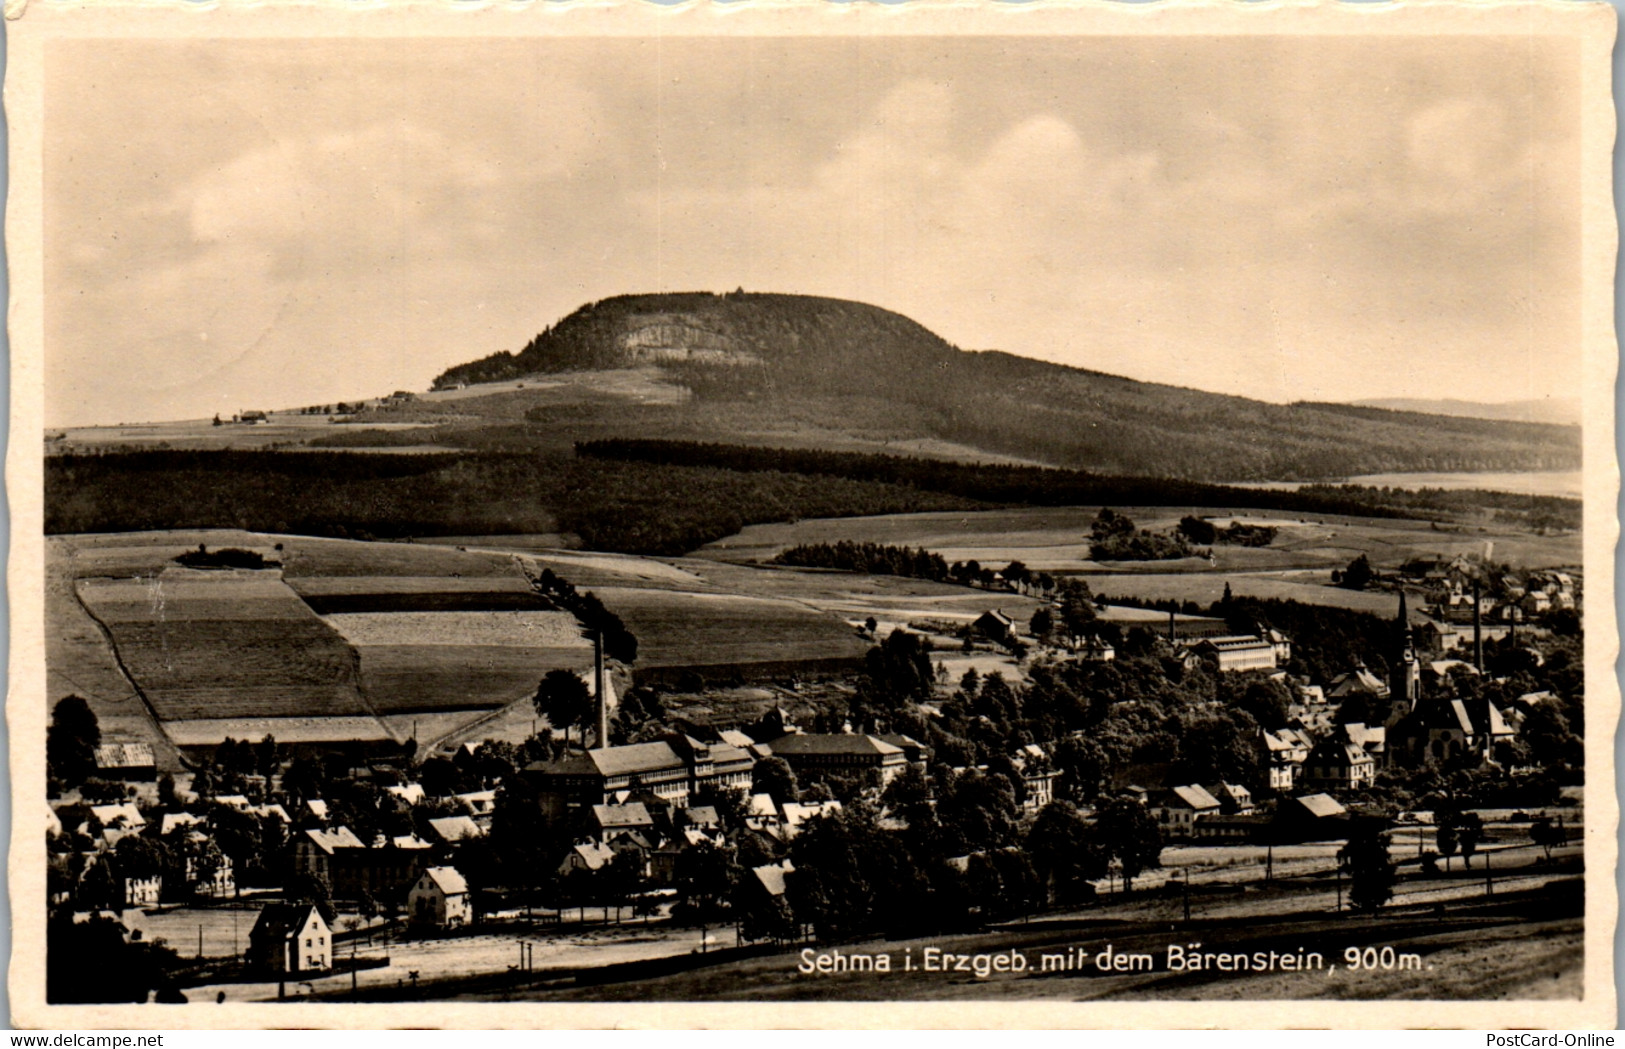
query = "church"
x=1436 y=728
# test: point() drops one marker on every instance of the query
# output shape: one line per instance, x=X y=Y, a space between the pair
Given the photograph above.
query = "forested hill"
x=752 y=360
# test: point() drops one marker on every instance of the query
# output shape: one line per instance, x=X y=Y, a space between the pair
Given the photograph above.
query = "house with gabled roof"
x=1288 y=749
x=1177 y=809
x=995 y=626
x=1357 y=681
x=1337 y=764
x=611 y=820
x=589 y=856
x=1234 y=799
x=1309 y=817
x=126 y=761
x=290 y=938
x=119 y=821
x=439 y=898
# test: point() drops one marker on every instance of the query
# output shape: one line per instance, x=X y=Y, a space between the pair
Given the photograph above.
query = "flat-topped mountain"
x=849 y=370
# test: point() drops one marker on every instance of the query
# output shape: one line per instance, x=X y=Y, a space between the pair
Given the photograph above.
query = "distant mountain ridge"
x=1557 y=411
x=752 y=360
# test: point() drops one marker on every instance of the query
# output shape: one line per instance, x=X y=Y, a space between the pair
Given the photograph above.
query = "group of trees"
x=227 y=557
x=1203 y=532
x=882 y=559
x=1113 y=537
x=870 y=558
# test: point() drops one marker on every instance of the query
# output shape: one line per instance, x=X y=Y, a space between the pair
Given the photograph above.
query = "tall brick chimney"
x=598 y=688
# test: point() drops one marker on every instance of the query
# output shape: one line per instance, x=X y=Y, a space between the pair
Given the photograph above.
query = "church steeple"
x=1405 y=681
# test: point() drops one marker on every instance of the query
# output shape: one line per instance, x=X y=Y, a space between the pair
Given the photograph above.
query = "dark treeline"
x=626 y=507
x=1009 y=484
x=990 y=483
x=873 y=558
x=1533 y=511
x=619 y=642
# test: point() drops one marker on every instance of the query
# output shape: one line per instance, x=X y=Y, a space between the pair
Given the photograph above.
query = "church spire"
x=1405 y=677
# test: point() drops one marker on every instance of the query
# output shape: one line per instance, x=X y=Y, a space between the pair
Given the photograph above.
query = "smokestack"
x=1478 y=630
x=598 y=688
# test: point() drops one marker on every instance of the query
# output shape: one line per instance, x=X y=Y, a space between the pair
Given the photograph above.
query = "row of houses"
x=1226 y=814
x=292 y=938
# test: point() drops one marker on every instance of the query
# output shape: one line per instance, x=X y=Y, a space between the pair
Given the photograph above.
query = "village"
x=1126 y=757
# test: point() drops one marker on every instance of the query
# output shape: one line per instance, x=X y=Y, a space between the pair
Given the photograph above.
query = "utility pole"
x=1187 y=884
x=1269 y=862
x=1489 y=881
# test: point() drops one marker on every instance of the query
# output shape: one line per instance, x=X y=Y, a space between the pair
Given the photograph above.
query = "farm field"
x=1296 y=566
x=197 y=434
x=225 y=645
x=891 y=600
x=79 y=661
x=390 y=641
x=239 y=653
x=727 y=631
x=206 y=732
x=428 y=677
x=339 y=595
x=1207 y=587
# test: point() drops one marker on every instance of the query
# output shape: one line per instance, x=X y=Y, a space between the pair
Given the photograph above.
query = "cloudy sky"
x=264 y=223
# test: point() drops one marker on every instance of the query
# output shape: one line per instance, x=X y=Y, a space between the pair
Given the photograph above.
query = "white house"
x=439 y=898
x=290 y=938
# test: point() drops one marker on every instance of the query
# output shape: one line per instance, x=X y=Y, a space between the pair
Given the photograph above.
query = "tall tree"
x=1063 y=853
x=1371 y=869
x=1127 y=831
x=775 y=777
x=71 y=741
x=565 y=701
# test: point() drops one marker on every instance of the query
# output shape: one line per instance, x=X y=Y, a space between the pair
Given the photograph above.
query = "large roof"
x=632 y=814
x=1194 y=797
x=337 y=838
x=1235 y=642
x=447 y=879
x=109 y=814
x=456 y=828
x=124 y=755
x=1321 y=805
x=615 y=761
x=772 y=876
x=829 y=743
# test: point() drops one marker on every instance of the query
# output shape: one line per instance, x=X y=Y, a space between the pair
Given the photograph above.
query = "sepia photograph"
x=813 y=515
